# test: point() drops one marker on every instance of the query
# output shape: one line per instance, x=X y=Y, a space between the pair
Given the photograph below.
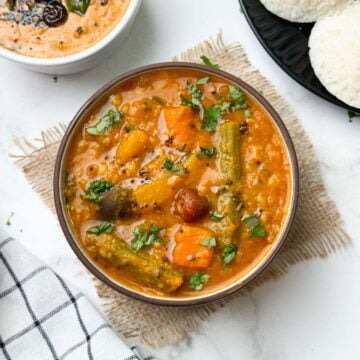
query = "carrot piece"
x=180 y=125
x=189 y=252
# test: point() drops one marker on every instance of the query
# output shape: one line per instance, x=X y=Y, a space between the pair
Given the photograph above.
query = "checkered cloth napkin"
x=42 y=317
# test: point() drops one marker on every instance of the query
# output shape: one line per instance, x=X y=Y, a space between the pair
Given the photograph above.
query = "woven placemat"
x=316 y=233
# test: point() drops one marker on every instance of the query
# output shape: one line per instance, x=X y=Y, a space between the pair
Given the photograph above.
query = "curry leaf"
x=95 y=189
x=197 y=280
x=105 y=123
x=208 y=62
x=228 y=253
x=104 y=227
x=78 y=6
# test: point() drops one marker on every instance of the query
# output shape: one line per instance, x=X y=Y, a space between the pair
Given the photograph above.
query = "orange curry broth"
x=265 y=179
x=76 y=34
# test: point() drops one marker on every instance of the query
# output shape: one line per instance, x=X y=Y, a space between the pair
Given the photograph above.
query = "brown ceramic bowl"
x=65 y=222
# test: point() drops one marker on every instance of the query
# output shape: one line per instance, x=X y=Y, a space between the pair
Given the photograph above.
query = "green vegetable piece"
x=229 y=167
x=211 y=117
x=208 y=62
x=210 y=242
x=256 y=229
x=197 y=280
x=143 y=237
x=104 y=227
x=146 y=268
x=78 y=6
x=203 y=80
x=106 y=122
x=216 y=216
x=228 y=253
x=95 y=189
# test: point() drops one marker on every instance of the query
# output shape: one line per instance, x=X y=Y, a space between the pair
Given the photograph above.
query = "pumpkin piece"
x=132 y=145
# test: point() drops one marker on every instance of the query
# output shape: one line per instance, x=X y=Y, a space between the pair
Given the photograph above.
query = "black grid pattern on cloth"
x=37 y=323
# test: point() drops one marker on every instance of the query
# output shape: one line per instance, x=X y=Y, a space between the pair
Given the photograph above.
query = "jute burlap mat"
x=317 y=231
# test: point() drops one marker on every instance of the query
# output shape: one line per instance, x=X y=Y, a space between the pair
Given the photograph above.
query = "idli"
x=303 y=10
x=335 y=53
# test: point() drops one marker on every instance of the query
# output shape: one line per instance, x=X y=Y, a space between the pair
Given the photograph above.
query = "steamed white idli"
x=335 y=53
x=303 y=10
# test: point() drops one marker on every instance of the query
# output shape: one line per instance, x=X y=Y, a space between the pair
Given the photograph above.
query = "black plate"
x=287 y=44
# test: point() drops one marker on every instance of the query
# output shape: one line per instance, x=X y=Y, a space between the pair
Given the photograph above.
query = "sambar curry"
x=178 y=184
x=55 y=28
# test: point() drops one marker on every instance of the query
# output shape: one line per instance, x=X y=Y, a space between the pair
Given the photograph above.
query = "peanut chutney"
x=178 y=184
x=55 y=28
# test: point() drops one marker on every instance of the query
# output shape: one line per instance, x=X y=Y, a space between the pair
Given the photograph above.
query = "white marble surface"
x=313 y=312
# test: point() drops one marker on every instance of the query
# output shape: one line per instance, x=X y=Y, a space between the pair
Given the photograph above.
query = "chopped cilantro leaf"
x=104 y=227
x=196 y=94
x=95 y=189
x=186 y=102
x=143 y=237
x=228 y=253
x=169 y=165
x=209 y=152
x=203 y=80
x=212 y=115
x=210 y=242
x=256 y=229
x=247 y=113
x=208 y=62
x=105 y=123
x=197 y=280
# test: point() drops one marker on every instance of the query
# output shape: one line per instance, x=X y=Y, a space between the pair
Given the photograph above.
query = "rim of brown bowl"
x=218 y=293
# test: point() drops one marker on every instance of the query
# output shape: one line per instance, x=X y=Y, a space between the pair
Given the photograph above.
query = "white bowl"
x=86 y=59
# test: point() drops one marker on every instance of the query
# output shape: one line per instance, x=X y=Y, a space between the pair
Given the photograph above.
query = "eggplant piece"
x=151 y=271
x=117 y=203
